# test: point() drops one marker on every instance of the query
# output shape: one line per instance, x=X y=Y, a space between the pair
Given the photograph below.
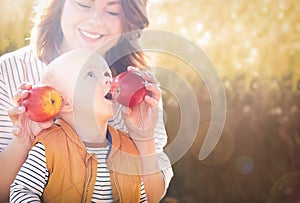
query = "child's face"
x=83 y=79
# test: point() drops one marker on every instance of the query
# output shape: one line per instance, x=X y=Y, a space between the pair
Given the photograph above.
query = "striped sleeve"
x=143 y=198
x=30 y=182
x=11 y=75
x=5 y=104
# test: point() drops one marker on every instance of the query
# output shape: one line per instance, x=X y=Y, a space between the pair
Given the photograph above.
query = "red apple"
x=43 y=103
x=128 y=88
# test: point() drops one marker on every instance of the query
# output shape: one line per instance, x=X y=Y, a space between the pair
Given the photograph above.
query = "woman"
x=64 y=25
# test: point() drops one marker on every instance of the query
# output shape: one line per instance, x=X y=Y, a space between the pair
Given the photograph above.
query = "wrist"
x=148 y=157
x=141 y=135
x=145 y=147
x=21 y=143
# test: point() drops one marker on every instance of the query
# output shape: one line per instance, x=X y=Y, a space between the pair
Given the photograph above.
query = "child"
x=71 y=162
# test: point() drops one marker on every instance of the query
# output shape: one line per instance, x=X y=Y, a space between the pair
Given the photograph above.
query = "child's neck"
x=90 y=132
x=96 y=145
x=97 y=136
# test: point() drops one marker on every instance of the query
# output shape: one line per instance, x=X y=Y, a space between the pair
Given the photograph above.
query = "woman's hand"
x=142 y=119
x=24 y=129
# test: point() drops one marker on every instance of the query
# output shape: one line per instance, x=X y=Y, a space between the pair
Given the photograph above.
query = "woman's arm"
x=32 y=178
x=152 y=175
x=11 y=160
x=15 y=153
x=143 y=123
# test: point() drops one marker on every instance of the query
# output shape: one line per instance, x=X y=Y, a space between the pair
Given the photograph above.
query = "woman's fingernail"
x=23 y=93
x=28 y=86
x=15 y=130
x=132 y=68
x=21 y=108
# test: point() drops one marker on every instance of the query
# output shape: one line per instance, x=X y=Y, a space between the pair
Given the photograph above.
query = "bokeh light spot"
x=244 y=164
x=286 y=189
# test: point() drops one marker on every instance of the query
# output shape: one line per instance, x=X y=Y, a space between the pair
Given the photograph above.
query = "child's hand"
x=23 y=128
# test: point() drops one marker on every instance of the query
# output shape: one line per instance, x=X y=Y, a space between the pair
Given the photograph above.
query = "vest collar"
x=70 y=132
x=114 y=141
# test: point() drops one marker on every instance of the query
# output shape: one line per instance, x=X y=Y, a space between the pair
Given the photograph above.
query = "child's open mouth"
x=108 y=96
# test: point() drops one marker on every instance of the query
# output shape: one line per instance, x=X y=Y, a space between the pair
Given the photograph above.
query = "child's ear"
x=67 y=106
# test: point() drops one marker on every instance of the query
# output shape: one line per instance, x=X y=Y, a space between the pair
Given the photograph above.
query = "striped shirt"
x=32 y=178
x=24 y=66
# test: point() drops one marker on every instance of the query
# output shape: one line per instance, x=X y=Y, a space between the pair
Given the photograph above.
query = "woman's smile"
x=90 y=35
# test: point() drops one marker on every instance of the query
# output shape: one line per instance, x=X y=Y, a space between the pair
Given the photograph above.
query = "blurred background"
x=255 y=47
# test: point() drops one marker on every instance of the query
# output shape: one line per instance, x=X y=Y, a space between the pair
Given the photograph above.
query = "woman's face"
x=90 y=24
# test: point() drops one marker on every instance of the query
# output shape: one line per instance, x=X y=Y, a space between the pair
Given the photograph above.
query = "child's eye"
x=107 y=74
x=91 y=74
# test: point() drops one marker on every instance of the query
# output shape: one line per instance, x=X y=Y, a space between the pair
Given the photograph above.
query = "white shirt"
x=24 y=66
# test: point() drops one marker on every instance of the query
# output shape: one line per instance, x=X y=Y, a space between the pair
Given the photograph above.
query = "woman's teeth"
x=90 y=35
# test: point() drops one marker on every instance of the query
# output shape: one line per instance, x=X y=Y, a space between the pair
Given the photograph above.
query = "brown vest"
x=72 y=171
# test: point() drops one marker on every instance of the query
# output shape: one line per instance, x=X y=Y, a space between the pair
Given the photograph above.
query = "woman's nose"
x=96 y=17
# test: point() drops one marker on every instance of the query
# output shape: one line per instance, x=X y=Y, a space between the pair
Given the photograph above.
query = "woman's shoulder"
x=20 y=66
x=24 y=54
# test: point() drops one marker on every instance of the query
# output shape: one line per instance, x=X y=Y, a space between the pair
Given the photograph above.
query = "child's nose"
x=108 y=81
